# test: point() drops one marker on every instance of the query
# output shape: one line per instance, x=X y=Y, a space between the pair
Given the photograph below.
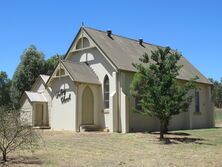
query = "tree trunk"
x=166 y=126
x=4 y=156
x=161 y=130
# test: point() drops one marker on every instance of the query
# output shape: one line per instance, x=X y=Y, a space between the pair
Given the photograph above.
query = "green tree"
x=51 y=64
x=31 y=65
x=217 y=92
x=156 y=88
x=5 y=84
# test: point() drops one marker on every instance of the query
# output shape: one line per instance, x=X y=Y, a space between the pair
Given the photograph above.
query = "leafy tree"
x=156 y=88
x=217 y=92
x=51 y=64
x=15 y=133
x=5 y=84
x=31 y=65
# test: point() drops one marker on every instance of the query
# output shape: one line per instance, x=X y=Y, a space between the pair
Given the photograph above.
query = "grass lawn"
x=187 y=148
x=218 y=117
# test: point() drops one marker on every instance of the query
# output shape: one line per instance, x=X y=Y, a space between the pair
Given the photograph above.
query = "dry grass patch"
x=185 y=148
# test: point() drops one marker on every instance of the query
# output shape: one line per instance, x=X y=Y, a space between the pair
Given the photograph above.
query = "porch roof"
x=80 y=72
x=35 y=96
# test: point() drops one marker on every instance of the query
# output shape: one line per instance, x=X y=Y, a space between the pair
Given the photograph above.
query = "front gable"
x=59 y=72
x=90 y=44
x=38 y=86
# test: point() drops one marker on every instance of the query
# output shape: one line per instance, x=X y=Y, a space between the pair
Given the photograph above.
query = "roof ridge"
x=128 y=38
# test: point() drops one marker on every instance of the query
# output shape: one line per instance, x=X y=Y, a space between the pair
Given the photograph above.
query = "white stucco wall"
x=63 y=114
x=48 y=95
x=101 y=67
x=205 y=118
x=38 y=86
x=26 y=112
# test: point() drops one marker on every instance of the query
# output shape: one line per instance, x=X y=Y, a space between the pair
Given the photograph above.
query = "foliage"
x=156 y=88
x=31 y=65
x=15 y=133
x=217 y=92
x=5 y=84
x=51 y=64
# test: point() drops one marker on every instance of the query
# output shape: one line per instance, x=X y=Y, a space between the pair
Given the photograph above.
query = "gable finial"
x=82 y=24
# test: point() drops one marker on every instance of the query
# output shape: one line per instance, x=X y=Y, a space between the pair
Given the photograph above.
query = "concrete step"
x=41 y=127
x=90 y=128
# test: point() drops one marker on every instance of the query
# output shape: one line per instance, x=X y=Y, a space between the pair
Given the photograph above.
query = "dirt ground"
x=99 y=149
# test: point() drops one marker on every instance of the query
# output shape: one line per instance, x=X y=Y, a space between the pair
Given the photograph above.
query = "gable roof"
x=44 y=78
x=35 y=96
x=123 y=52
x=80 y=72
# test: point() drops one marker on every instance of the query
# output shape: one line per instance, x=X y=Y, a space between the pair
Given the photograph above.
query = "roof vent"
x=141 y=41
x=109 y=33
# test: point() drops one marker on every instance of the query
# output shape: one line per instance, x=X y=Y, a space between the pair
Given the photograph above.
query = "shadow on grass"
x=177 y=140
x=180 y=137
x=21 y=161
x=173 y=133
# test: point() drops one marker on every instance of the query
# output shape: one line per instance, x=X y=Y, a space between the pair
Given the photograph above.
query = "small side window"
x=106 y=92
x=197 y=101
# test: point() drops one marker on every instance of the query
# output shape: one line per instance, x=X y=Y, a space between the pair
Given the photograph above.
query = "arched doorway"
x=87 y=107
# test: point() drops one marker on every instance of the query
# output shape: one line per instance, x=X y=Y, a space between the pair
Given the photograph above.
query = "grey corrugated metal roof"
x=44 y=77
x=80 y=72
x=124 y=51
x=35 y=96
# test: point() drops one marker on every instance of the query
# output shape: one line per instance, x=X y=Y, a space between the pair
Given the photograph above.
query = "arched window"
x=82 y=43
x=106 y=91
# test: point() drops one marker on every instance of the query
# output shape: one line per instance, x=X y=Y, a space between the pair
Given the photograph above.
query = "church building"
x=90 y=89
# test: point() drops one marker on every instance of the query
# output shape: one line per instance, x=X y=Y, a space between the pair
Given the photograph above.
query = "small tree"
x=15 y=133
x=156 y=88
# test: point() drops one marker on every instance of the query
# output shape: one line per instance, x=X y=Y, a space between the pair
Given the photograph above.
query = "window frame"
x=197 y=101
x=106 y=92
x=83 y=42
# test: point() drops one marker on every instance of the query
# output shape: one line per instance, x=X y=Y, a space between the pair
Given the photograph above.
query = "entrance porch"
x=40 y=115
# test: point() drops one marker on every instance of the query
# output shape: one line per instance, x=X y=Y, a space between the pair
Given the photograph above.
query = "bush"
x=15 y=133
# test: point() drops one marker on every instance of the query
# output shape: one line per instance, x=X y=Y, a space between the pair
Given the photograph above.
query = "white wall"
x=26 y=112
x=101 y=67
x=38 y=86
x=63 y=116
x=205 y=118
x=48 y=95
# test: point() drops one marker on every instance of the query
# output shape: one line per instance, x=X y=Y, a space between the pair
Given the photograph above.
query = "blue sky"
x=194 y=27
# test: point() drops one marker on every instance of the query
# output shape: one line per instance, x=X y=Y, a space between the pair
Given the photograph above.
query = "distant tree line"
x=32 y=63
x=217 y=92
